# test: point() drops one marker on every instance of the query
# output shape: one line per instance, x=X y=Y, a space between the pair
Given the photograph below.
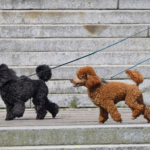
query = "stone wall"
x=34 y=32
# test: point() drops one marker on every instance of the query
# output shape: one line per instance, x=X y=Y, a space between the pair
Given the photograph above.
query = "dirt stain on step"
x=92 y=29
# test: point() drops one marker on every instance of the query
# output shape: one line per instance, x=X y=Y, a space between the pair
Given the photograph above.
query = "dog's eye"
x=80 y=77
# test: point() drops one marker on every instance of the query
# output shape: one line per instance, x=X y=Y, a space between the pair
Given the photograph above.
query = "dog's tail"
x=135 y=75
x=52 y=107
x=44 y=72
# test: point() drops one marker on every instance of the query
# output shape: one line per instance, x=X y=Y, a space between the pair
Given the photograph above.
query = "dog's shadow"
x=17 y=119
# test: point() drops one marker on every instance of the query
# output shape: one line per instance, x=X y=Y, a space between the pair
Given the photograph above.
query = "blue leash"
x=89 y=54
x=131 y=67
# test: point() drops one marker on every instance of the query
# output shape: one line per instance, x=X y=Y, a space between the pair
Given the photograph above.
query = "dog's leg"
x=103 y=115
x=146 y=111
x=51 y=107
x=19 y=109
x=112 y=109
x=40 y=108
x=41 y=112
x=135 y=103
x=9 y=115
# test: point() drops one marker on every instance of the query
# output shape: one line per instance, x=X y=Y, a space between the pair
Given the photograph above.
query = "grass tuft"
x=74 y=104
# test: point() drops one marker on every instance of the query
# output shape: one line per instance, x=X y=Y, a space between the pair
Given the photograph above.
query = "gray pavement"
x=68 y=117
x=74 y=127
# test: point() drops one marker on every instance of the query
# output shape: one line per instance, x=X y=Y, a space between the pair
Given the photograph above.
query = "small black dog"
x=16 y=91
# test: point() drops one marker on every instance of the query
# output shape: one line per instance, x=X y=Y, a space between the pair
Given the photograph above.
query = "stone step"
x=54 y=58
x=69 y=72
x=73 y=45
x=134 y=4
x=71 y=4
x=75 y=135
x=76 y=100
x=83 y=147
x=83 y=101
x=84 y=118
x=63 y=93
x=45 y=31
x=66 y=87
x=69 y=117
x=75 y=17
x=59 y=4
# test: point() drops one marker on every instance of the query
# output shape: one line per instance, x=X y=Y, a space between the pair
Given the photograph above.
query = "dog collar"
x=102 y=81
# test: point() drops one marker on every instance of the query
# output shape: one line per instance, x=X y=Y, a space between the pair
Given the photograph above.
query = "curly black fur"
x=15 y=92
x=44 y=75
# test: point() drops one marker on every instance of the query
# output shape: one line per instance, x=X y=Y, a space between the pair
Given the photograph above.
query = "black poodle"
x=15 y=91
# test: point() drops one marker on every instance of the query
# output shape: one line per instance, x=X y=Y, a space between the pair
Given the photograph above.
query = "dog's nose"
x=71 y=80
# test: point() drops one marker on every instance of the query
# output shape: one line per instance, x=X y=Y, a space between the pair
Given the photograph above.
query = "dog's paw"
x=133 y=118
x=39 y=118
x=54 y=114
x=100 y=122
x=120 y=121
x=55 y=111
x=9 y=119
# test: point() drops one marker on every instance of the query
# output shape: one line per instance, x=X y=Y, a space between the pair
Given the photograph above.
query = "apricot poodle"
x=106 y=95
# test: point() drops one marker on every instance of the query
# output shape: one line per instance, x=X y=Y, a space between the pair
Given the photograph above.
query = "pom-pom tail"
x=135 y=75
x=44 y=72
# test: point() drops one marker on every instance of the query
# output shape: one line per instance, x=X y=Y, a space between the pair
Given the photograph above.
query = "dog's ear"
x=3 y=66
x=92 y=81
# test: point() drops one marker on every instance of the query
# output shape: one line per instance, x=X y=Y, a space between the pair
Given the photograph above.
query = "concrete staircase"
x=74 y=129
x=34 y=32
x=54 y=32
x=77 y=138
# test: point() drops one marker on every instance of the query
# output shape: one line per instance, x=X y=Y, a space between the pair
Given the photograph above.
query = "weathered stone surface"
x=73 y=135
x=73 y=45
x=77 y=100
x=45 y=31
x=134 y=4
x=69 y=117
x=67 y=100
x=84 y=118
x=69 y=72
x=66 y=87
x=59 y=4
x=63 y=93
x=71 y=100
x=82 y=100
x=2 y=105
x=54 y=58
x=75 y=17
x=83 y=147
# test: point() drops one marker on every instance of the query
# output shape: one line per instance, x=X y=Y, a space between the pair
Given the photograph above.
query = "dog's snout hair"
x=76 y=80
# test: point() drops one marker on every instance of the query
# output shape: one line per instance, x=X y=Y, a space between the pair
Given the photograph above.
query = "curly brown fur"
x=135 y=76
x=16 y=91
x=105 y=96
